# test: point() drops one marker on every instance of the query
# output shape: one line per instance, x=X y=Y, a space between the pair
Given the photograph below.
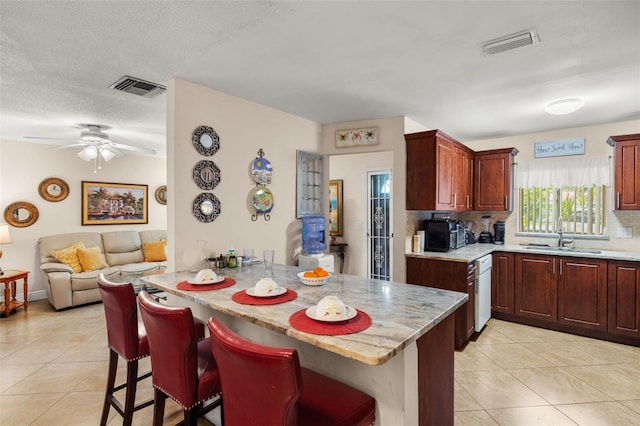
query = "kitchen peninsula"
x=404 y=359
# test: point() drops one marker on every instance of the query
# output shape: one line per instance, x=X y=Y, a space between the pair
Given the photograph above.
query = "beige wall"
x=596 y=137
x=24 y=165
x=244 y=127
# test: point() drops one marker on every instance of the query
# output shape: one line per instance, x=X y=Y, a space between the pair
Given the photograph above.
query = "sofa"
x=71 y=263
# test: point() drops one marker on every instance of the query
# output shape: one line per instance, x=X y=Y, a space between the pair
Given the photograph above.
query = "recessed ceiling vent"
x=511 y=41
x=138 y=87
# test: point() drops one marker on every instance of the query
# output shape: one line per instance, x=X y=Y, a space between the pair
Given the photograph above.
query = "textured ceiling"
x=325 y=61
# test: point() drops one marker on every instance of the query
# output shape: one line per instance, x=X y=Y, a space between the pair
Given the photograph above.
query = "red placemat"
x=243 y=298
x=185 y=285
x=300 y=321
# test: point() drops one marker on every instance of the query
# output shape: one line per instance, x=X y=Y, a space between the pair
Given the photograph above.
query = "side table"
x=338 y=249
x=9 y=279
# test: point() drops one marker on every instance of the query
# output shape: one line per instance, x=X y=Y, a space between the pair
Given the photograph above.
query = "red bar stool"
x=183 y=367
x=126 y=338
x=265 y=385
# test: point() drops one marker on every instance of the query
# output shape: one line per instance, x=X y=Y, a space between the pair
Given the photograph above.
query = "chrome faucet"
x=561 y=241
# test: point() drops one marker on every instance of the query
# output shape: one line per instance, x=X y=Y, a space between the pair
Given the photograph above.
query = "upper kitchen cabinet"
x=627 y=171
x=493 y=179
x=439 y=172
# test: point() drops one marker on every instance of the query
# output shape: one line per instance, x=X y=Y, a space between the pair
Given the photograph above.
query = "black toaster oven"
x=443 y=235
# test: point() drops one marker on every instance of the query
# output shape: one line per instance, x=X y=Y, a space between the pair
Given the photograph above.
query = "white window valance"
x=562 y=171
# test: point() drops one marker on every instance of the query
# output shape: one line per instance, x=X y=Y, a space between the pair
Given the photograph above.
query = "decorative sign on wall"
x=357 y=137
x=559 y=148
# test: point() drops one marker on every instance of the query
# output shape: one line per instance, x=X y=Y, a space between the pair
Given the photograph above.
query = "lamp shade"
x=5 y=236
x=107 y=154
x=89 y=153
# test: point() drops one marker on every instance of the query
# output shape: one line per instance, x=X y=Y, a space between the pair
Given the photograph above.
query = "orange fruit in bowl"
x=322 y=274
x=310 y=274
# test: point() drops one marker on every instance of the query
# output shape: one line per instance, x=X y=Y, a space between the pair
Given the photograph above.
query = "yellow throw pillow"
x=69 y=256
x=155 y=252
x=91 y=259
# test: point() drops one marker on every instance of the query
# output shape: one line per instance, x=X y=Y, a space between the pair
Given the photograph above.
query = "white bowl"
x=205 y=276
x=331 y=308
x=313 y=280
x=266 y=287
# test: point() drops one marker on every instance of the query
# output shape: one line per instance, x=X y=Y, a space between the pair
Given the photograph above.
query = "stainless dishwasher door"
x=483 y=292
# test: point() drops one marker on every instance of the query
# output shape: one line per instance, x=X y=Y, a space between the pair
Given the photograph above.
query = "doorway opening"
x=379 y=224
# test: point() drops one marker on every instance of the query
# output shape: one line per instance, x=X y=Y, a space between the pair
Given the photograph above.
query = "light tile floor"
x=53 y=369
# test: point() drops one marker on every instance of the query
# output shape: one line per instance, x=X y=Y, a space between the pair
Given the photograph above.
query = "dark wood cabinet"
x=493 y=179
x=535 y=287
x=439 y=172
x=582 y=293
x=502 y=276
x=448 y=275
x=626 y=172
x=624 y=299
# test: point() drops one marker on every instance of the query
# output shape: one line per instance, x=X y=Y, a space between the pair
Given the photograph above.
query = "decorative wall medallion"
x=21 y=214
x=206 y=174
x=262 y=199
x=261 y=171
x=206 y=207
x=205 y=140
x=161 y=195
x=53 y=189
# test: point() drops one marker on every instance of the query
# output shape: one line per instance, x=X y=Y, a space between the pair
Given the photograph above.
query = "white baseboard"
x=32 y=295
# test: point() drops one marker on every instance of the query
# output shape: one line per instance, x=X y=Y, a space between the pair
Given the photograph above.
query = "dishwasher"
x=483 y=292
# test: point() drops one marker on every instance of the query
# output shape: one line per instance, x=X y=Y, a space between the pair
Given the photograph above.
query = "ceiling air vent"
x=511 y=41
x=138 y=87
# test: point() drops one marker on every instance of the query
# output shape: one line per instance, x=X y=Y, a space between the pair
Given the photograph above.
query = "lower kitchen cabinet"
x=536 y=287
x=624 y=298
x=502 y=276
x=582 y=293
x=448 y=275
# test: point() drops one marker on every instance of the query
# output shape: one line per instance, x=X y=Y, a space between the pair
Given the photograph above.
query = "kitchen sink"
x=563 y=249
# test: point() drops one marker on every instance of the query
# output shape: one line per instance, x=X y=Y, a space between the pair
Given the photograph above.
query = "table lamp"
x=5 y=237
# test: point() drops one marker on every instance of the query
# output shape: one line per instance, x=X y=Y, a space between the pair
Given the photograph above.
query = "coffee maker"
x=485 y=235
x=498 y=234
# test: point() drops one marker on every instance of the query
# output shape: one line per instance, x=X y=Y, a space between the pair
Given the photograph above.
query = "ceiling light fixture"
x=564 y=106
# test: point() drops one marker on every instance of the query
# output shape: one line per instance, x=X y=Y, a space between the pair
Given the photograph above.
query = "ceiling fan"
x=98 y=147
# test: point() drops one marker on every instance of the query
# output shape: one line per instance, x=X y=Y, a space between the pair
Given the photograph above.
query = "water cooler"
x=314 y=244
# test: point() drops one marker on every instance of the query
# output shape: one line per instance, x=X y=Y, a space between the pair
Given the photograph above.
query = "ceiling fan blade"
x=132 y=148
x=53 y=139
x=73 y=145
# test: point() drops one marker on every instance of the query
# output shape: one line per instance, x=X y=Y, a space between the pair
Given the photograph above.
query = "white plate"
x=280 y=291
x=216 y=281
x=351 y=313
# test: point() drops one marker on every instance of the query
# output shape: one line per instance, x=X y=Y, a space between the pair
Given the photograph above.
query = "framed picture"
x=335 y=207
x=106 y=203
x=357 y=137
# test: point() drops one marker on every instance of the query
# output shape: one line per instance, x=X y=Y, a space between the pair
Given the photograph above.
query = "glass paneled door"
x=379 y=224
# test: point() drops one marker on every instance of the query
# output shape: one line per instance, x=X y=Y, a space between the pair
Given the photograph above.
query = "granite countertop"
x=472 y=252
x=400 y=312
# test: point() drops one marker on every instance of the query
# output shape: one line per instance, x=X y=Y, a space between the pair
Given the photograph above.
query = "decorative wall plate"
x=206 y=174
x=262 y=199
x=53 y=189
x=161 y=195
x=206 y=207
x=205 y=140
x=261 y=171
x=21 y=214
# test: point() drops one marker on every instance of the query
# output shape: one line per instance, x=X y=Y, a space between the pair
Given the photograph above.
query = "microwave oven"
x=443 y=235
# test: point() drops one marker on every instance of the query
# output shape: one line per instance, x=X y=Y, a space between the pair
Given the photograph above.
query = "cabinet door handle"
x=468 y=201
x=455 y=200
x=618 y=201
x=560 y=263
x=554 y=266
x=506 y=203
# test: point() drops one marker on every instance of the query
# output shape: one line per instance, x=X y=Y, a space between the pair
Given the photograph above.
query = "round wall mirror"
x=205 y=140
x=206 y=174
x=53 y=189
x=161 y=195
x=21 y=214
x=206 y=207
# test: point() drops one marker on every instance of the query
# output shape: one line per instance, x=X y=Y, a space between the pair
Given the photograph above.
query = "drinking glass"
x=247 y=254
x=268 y=260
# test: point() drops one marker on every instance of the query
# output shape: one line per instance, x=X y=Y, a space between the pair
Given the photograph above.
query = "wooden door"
x=493 y=180
x=627 y=172
x=624 y=298
x=502 y=275
x=582 y=293
x=445 y=161
x=535 y=287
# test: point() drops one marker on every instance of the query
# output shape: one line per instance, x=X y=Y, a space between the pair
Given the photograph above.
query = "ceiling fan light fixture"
x=564 y=106
x=89 y=153
x=94 y=136
x=107 y=154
